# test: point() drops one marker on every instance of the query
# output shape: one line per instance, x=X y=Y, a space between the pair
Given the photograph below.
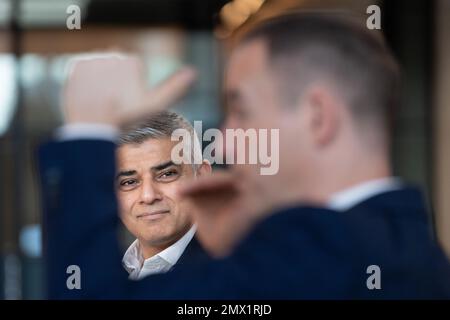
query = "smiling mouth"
x=153 y=215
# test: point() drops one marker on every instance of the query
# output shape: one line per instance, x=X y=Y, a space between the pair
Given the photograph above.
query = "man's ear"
x=205 y=169
x=323 y=114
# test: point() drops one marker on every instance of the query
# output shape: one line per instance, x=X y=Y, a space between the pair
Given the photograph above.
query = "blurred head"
x=328 y=84
x=147 y=181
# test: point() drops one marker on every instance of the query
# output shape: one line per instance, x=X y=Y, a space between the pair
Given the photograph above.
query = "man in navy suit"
x=332 y=223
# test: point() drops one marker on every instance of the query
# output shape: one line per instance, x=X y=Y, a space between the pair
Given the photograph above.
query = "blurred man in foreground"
x=321 y=226
x=147 y=184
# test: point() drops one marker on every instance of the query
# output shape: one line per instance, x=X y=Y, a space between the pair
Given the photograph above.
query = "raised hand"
x=111 y=89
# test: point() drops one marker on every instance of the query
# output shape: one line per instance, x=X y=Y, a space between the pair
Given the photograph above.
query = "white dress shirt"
x=350 y=197
x=138 y=268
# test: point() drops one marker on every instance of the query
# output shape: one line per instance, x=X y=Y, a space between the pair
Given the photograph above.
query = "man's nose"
x=149 y=193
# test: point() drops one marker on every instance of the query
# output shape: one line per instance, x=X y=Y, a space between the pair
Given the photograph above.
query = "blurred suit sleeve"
x=80 y=217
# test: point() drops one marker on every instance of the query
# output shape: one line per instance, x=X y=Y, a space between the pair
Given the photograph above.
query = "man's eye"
x=168 y=175
x=126 y=184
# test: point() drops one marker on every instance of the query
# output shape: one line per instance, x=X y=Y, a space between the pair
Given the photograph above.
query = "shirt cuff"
x=83 y=131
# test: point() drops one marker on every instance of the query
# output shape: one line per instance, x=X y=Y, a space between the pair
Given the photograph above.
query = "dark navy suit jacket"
x=297 y=253
x=194 y=254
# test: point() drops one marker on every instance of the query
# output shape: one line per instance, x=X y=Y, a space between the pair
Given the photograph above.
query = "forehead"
x=150 y=151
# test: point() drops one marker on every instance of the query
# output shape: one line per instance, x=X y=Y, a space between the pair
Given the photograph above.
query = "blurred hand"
x=225 y=208
x=111 y=89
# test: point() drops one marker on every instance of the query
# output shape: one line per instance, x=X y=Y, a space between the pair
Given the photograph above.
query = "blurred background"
x=35 y=45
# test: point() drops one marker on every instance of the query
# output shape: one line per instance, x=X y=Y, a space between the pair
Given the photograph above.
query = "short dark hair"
x=159 y=125
x=338 y=47
x=156 y=126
